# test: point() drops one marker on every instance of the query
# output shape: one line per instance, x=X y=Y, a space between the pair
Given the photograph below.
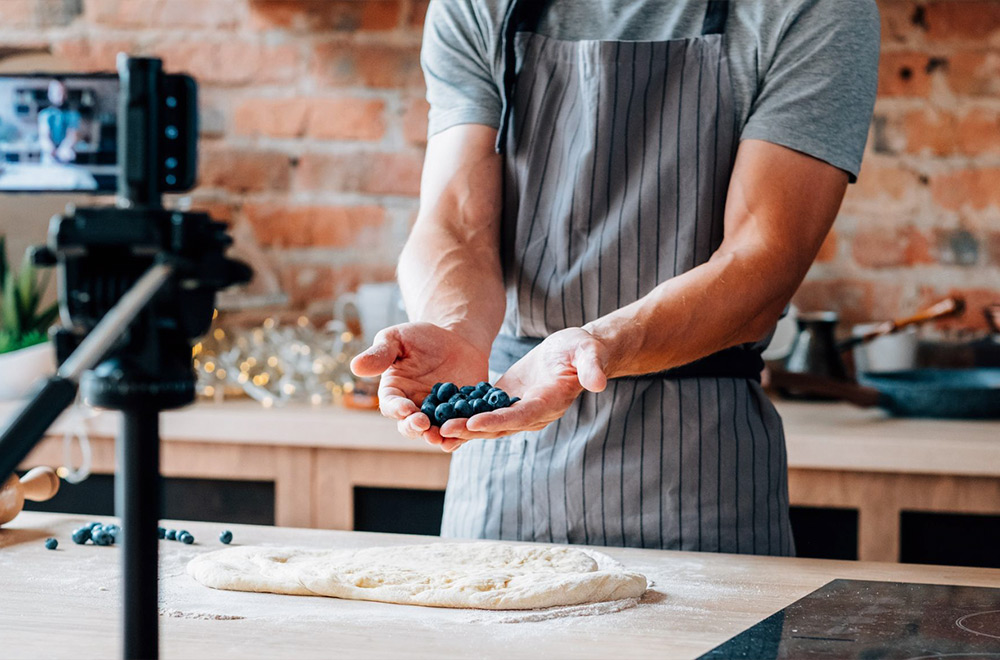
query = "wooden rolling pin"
x=38 y=485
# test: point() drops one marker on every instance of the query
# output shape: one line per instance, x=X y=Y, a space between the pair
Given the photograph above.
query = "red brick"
x=828 y=250
x=326 y=119
x=879 y=181
x=232 y=62
x=371 y=65
x=888 y=247
x=87 y=55
x=901 y=21
x=313 y=226
x=244 y=170
x=904 y=74
x=851 y=299
x=974 y=73
x=164 y=13
x=220 y=211
x=18 y=13
x=308 y=284
x=371 y=173
x=38 y=13
x=415 y=121
x=942 y=133
x=972 y=20
x=993 y=247
x=418 y=12
x=977 y=188
x=324 y=15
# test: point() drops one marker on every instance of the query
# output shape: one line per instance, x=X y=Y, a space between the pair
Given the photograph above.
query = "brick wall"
x=313 y=124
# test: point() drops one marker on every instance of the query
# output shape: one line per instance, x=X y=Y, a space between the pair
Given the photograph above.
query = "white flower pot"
x=21 y=369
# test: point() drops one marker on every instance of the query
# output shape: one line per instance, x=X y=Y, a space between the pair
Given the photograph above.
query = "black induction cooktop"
x=876 y=621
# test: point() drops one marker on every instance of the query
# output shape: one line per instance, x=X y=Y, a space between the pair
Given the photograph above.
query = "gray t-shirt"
x=804 y=71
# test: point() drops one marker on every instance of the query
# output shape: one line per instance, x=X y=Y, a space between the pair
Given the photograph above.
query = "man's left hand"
x=548 y=379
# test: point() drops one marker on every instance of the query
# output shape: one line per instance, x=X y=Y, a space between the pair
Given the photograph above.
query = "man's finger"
x=380 y=356
x=414 y=426
x=394 y=404
x=521 y=416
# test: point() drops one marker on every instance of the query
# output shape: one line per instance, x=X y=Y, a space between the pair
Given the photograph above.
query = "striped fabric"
x=618 y=157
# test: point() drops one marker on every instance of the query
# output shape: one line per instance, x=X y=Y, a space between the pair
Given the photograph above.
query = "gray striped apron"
x=617 y=158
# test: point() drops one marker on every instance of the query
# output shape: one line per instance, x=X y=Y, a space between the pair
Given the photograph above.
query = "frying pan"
x=939 y=393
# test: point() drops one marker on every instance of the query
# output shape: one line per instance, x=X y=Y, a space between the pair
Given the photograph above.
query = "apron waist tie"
x=734 y=362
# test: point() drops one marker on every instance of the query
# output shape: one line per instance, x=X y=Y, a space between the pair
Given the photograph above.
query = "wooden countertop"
x=830 y=436
x=64 y=603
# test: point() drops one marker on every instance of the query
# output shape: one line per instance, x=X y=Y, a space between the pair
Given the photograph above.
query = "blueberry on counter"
x=161 y=533
x=226 y=537
x=443 y=413
x=463 y=409
x=94 y=525
x=171 y=534
x=81 y=535
x=446 y=391
x=51 y=544
x=113 y=530
x=185 y=538
x=101 y=537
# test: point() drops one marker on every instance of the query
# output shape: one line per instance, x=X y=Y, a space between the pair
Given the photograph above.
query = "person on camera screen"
x=58 y=126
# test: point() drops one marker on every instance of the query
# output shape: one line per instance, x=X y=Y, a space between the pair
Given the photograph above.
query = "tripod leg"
x=137 y=501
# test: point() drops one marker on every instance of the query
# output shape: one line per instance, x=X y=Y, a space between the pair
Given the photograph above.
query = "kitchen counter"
x=838 y=456
x=64 y=603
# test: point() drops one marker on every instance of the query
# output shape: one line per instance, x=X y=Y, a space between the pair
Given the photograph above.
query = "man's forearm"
x=449 y=270
x=780 y=207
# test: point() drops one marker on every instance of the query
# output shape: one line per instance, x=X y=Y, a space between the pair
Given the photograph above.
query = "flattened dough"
x=488 y=576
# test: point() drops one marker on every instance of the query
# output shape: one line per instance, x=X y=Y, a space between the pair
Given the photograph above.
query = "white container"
x=21 y=369
x=895 y=352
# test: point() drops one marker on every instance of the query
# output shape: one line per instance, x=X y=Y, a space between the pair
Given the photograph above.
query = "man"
x=669 y=169
x=58 y=126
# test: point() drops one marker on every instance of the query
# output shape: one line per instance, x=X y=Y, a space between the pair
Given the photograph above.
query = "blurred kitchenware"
x=992 y=313
x=892 y=352
x=815 y=352
x=944 y=309
x=936 y=393
x=784 y=336
x=20 y=370
x=378 y=306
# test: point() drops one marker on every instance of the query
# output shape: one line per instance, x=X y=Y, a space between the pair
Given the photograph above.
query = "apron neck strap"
x=520 y=15
x=715 y=17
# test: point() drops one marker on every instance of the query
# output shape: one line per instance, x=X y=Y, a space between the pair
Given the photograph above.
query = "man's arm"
x=451 y=280
x=449 y=270
x=780 y=207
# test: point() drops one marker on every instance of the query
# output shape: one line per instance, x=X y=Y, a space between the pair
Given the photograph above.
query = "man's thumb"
x=590 y=366
x=379 y=357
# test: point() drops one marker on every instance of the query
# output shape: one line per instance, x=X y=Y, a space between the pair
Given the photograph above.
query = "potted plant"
x=25 y=352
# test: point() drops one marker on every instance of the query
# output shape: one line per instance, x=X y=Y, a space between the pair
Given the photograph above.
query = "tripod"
x=137 y=286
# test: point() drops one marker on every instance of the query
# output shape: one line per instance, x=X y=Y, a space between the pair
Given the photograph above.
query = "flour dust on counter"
x=483 y=575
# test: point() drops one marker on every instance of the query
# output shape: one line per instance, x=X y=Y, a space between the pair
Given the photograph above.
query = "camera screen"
x=58 y=133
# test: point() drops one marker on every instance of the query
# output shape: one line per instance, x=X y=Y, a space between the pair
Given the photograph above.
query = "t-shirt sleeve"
x=818 y=93
x=456 y=58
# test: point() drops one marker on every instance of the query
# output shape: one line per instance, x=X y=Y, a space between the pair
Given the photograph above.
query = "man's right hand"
x=411 y=358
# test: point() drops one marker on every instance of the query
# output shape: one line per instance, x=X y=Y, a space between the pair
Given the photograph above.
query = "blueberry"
x=467 y=389
x=463 y=409
x=101 y=537
x=456 y=398
x=446 y=391
x=436 y=389
x=226 y=537
x=161 y=533
x=431 y=399
x=51 y=544
x=481 y=392
x=483 y=385
x=171 y=534
x=94 y=525
x=181 y=532
x=185 y=538
x=81 y=535
x=443 y=413
x=498 y=399
x=428 y=409
x=113 y=530
x=479 y=406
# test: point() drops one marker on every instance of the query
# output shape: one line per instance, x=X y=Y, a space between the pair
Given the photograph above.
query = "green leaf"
x=48 y=316
x=9 y=313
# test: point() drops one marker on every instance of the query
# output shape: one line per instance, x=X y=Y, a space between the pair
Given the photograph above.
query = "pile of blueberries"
x=97 y=533
x=100 y=534
x=449 y=401
x=183 y=535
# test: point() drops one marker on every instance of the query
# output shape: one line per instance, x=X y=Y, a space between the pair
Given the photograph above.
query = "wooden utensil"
x=944 y=309
x=38 y=485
